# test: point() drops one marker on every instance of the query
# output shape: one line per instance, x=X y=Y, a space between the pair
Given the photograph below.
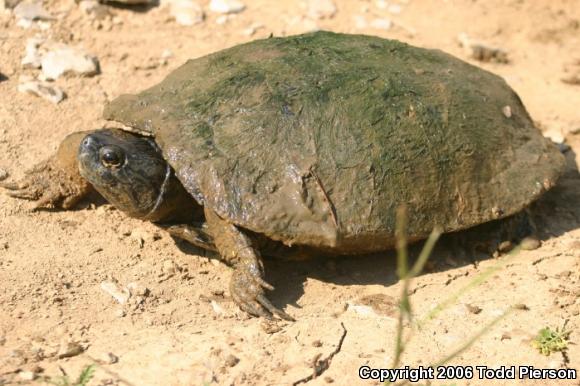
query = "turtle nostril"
x=87 y=142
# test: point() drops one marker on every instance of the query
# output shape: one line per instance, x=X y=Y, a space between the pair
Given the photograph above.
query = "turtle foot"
x=247 y=290
x=49 y=186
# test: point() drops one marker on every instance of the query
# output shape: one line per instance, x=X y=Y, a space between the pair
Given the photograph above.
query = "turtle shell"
x=316 y=139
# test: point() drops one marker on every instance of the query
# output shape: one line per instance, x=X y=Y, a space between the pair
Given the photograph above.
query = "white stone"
x=121 y=295
x=186 y=12
x=31 y=10
x=251 y=30
x=555 y=135
x=43 y=90
x=32 y=57
x=384 y=24
x=226 y=6
x=321 y=9
x=63 y=59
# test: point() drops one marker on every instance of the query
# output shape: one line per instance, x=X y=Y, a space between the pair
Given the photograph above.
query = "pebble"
x=383 y=24
x=134 y=2
x=226 y=6
x=252 y=29
x=473 y=309
x=217 y=308
x=186 y=12
x=555 y=135
x=121 y=295
x=321 y=9
x=94 y=9
x=63 y=59
x=3 y=174
x=169 y=267
x=270 y=327
x=27 y=375
x=32 y=57
x=31 y=10
x=44 y=90
x=480 y=51
x=530 y=243
x=507 y=111
x=231 y=360
x=69 y=349
x=136 y=289
x=107 y=358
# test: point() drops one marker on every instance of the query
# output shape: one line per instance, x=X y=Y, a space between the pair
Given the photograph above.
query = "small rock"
x=186 y=12
x=132 y=2
x=32 y=57
x=321 y=9
x=43 y=90
x=555 y=135
x=31 y=10
x=3 y=174
x=521 y=306
x=383 y=24
x=94 y=9
x=573 y=79
x=480 y=51
x=530 y=243
x=505 y=246
x=328 y=379
x=169 y=268
x=136 y=289
x=251 y=30
x=64 y=59
x=473 y=309
x=231 y=360
x=141 y=236
x=121 y=295
x=217 y=308
x=317 y=343
x=507 y=111
x=27 y=375
x=107 y=358
x=270 y=327
x=69 y=349
x=226 y=6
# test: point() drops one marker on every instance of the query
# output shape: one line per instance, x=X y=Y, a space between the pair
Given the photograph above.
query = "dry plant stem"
x=479 y=279
x=465 y=346
x=406 y=276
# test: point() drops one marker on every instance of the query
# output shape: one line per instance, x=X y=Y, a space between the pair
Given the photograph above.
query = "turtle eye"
x=111 y=157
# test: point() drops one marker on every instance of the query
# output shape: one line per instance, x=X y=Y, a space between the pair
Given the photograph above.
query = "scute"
x=317 y=139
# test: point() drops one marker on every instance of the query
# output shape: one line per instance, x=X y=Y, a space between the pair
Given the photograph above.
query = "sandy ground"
x=184 y=330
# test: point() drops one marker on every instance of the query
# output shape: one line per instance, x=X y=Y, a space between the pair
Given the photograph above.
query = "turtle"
x=305 y=145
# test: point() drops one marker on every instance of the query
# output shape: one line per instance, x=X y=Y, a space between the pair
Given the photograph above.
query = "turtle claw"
x=247 y=289
x=272 y=309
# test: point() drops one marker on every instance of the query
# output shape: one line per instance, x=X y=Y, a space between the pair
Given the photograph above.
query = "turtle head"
x=130 y=172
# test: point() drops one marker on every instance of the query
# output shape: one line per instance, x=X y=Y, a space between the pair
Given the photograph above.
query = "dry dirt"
x=185 y=330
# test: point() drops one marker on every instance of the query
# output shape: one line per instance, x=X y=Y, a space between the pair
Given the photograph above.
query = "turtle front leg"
x=247 y=284
x=55 y=182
